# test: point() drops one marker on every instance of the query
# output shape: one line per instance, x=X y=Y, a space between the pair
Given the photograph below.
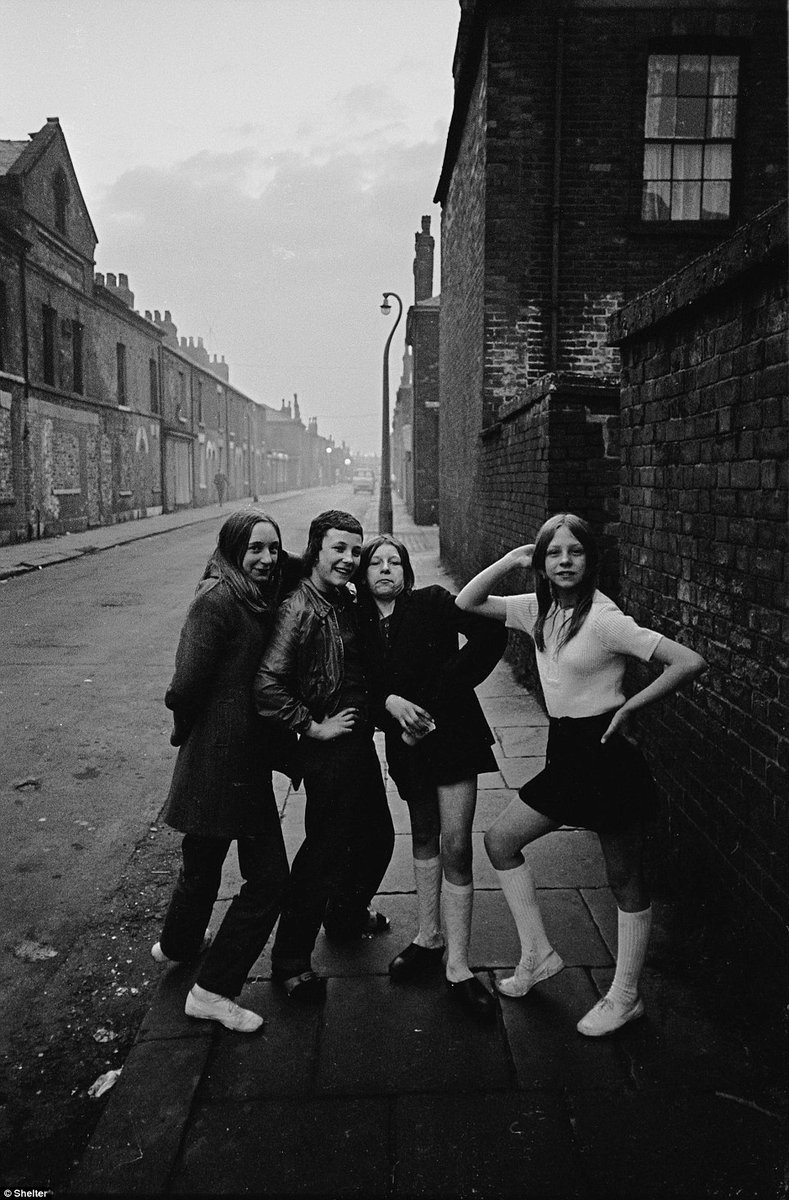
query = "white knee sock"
x=427 y=873
x=458 y=905
x=520 y=893
x=633 y=935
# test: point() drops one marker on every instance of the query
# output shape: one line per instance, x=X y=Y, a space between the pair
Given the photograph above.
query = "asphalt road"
x=86 y=652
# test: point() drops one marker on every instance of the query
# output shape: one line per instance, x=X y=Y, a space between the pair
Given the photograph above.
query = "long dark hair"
x=546 y=597
x=369 y=549
x=333 y=518
x=226 y=560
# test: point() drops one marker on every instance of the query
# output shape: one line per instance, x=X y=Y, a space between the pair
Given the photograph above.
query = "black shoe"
x=413 y=961
x=373 y=923
x=474 y=997
x=306 y=986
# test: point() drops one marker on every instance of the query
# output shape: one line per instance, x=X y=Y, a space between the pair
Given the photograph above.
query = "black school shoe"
x=374 y=923
x=414 y=962
x=474 y=997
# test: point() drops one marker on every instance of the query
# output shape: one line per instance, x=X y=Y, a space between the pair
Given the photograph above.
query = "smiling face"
x=337 y=559
x=385 y=576
x=260 y=559
x=565 y=565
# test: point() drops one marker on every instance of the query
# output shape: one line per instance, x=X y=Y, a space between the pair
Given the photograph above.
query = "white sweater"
x=585 y=677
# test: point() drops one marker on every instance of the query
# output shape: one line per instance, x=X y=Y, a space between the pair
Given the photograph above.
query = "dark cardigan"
x=425 y=664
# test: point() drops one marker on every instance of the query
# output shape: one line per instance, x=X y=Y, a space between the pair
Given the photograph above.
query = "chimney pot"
x=100 y=278
x=123 y=281
x=167 y=316
x=148 y=316
x=111 y=280
x=157 y=316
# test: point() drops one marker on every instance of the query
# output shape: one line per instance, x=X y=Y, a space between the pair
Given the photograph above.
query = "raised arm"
x=475 y=597
x=680 y=665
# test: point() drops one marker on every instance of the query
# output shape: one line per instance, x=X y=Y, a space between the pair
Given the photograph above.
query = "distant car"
x=363 y=481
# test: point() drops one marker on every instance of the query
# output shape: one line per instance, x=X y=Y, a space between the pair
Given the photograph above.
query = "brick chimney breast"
x=423 y=262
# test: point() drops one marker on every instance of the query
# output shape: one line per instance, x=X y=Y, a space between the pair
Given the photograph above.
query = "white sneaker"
x=158 y=955
x=609 y=1015
x=525 y=977
x=208 y=1006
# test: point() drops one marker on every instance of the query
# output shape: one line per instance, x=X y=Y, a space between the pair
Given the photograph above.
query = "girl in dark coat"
x=221 y=789
x=437 y=742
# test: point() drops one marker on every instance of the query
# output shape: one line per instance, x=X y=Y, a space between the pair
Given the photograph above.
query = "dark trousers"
x=250 y=918
x=348 y=843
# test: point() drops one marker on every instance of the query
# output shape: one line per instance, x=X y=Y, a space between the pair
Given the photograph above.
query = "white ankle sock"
x=631 y=950
x=520 y=893
x=458 y=905
x=427 y=873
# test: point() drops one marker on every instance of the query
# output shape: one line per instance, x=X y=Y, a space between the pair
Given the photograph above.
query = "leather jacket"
x=301 y=673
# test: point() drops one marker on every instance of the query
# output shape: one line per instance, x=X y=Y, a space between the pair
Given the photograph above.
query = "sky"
x=257 y=167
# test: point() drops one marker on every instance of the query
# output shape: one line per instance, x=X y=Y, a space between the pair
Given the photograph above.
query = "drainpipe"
x=556 y=198
x=32 y=516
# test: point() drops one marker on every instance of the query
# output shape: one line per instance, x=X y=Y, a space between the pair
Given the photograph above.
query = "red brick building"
x=105 y=415
x=594 y=148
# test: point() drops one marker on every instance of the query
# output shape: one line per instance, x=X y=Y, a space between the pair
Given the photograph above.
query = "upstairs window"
x=689 y=131
x=60 y=191
x=153 y=369
x=120 y=361
x=49 y=342
x=77 y=339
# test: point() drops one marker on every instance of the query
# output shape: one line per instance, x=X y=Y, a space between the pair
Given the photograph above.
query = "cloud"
x=285 y=278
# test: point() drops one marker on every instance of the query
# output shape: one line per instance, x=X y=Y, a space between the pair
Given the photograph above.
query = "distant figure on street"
x=437 y=742
x=594 y=777
x=221 y=789
x=312 y=680
x=220 y=483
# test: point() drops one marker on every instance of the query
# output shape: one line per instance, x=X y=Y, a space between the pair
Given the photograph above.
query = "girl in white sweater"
x=594 y=777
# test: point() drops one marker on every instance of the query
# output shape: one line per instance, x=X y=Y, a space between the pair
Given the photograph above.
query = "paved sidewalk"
x=46 y=552
x=388 y=1091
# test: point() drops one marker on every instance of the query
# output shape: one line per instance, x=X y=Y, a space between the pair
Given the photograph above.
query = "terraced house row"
x=105 y=413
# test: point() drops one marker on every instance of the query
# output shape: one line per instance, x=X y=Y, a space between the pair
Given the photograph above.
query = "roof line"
x=464 y=87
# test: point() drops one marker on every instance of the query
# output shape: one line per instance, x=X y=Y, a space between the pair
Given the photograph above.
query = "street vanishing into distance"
x=87 y=650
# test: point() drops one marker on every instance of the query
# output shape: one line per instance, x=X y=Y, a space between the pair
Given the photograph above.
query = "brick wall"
x=461 y=340
x=703 y=548
x=499 y=202
x=423 y=334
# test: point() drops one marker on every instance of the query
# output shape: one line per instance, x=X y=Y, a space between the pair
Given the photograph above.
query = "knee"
x=456 y=850
x=497 y=846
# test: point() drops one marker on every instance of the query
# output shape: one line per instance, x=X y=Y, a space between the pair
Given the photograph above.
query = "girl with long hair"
x=221 y=788
x=437 y=742
x=594 y=776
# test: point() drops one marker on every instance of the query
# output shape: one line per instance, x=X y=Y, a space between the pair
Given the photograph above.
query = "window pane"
x=655 y=202
x=724 y=72
x=690 y=118
x=685 y=201
x=692 y=78
x=661 y=116
x=687 y=162
x=721 y=117
x=715 y=204
x=657 y=161
x=717 y=161
x=662 y=78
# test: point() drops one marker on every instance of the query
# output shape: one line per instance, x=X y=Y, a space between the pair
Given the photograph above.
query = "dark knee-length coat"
x=422 y=660
x=221 y=783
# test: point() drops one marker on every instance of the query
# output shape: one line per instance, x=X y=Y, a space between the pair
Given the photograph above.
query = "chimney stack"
x=423 y=263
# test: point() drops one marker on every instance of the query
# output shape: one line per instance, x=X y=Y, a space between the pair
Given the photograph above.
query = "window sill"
x=713 y=230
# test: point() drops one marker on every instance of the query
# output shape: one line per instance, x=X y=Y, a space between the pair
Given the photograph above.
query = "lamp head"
x=386 y=307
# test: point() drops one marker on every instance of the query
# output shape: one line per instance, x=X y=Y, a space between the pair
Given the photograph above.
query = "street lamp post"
x=385 y=503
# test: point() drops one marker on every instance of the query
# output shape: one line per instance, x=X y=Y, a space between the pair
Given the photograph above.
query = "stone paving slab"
x=137 y=1140
x=486 y=1145
x=325 y=1147
x=547 y=1049
x=685 y=1145
x=381 y=1039
x=522 y=741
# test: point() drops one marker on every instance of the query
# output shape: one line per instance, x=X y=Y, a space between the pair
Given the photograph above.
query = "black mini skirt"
x=606 y=788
